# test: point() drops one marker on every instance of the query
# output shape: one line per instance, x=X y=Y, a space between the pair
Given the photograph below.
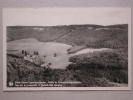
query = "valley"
x=92 y=55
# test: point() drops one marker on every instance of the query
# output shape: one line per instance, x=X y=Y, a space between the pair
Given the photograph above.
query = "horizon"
x=68 y=25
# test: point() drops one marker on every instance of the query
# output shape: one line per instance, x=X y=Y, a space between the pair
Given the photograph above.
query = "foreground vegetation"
x=105 y=66
x=92 y=70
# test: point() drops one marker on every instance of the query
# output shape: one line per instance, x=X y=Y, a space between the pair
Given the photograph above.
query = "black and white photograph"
x=84 y=48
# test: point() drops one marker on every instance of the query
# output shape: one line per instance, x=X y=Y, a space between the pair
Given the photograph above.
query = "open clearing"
x=49 y=49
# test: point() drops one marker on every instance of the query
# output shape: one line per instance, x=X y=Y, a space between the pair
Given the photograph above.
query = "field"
x=91 y=55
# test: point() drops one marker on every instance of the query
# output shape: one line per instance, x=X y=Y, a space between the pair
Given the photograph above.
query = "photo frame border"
x=5 y=88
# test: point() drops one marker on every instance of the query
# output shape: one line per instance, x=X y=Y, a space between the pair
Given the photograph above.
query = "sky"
x=66 y=16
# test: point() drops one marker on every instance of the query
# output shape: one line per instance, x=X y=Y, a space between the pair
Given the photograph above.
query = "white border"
x=5 y=88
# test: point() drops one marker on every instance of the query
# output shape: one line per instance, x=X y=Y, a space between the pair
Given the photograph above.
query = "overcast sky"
x=65 y=16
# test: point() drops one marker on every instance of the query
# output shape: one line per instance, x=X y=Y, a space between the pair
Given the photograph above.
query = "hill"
x=110 y=65
x=96 y=36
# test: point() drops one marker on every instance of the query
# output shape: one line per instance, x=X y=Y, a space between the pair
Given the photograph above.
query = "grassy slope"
x=115 y=36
